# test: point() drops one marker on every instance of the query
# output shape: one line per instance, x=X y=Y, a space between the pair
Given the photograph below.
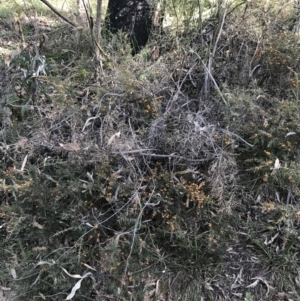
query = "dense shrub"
x=174 y=178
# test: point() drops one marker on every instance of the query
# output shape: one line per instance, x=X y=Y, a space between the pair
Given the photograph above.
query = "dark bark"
x=133 y=17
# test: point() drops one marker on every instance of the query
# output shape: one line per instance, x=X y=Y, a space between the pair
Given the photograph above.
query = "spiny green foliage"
x=64 y=222
x=271 y=125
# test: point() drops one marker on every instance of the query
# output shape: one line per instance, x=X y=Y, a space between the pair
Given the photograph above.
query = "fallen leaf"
x=277 y=164
x=37 y=225
x=254 y=284
x=74 y=289
x=113 y=137
x=13 y=273
x=71 y=147
x=289 y=134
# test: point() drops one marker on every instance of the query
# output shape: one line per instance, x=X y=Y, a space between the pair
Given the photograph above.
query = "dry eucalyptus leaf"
x=37 y=225
x=77 y=284
x=277 y=164
x=89 y=267
x=254 y=284
x=74 y=289
x=13 y=273
x=71 y=147
x=113 y=137
x=5 y=288
x=289 y=134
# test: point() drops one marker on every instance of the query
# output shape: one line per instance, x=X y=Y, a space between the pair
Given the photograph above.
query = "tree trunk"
x=97 y=37
x=81 y=15
x=98 y=21
x=133 y=17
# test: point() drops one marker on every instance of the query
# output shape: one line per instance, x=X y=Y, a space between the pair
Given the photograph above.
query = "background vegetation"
x=172 y=176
